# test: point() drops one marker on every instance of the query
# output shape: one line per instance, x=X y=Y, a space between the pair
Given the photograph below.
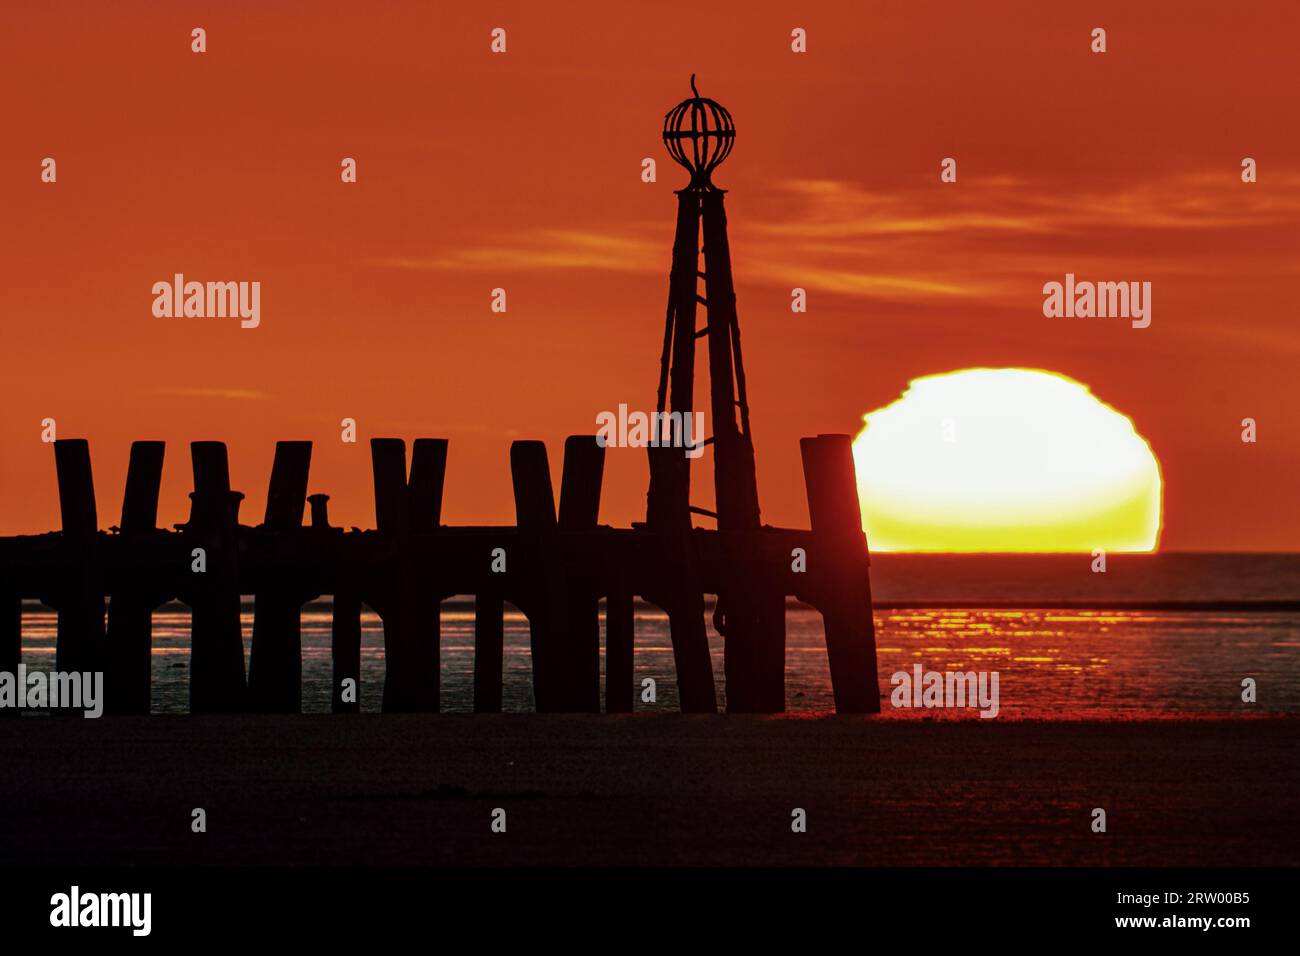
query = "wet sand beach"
x=647 y=790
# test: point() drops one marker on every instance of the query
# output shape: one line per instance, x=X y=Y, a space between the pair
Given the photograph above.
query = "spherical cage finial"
x=699 y=134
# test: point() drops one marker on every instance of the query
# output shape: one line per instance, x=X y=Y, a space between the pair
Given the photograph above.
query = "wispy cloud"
x=986 y=239
x=234 y=394
x=547 y=249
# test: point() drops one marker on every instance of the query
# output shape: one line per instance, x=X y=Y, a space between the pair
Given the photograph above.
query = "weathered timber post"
x=424 y=509
x=489 y=652
x=216 y=640
x=79 y=597
x=838 y=566
x=544 y=598
x=619 y=646
x=275 y=658
x=428 y=475
x=408 y=606
x=752 y=619
x=679 y=591
x=584 y=465
x=345 y=651
x=345 y=628
x=129 y=669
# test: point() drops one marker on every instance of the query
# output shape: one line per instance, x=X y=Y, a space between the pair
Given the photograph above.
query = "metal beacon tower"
x=699 y=134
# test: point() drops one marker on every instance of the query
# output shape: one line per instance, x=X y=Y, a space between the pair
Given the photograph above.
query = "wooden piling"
x=129 y=668
x=424 y=514
x=584 y=466
x=286 y=494
x=275 y=657
x=679 y=591
x=76 y=488
x=216 y=638
x=392 y=503
x=580 y=483
x=619 y=652
x=838 y=564
x=79 y=596
x=489 y=652
x=409 y=607
x=691 y=654
x=428 y=475
x=752 y=620
x=544 y=598
x=143 y=481
x=345 y=651
x=530 y=474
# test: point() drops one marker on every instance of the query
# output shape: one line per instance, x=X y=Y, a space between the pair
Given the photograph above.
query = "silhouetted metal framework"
x=707 y=127
x=699 y=134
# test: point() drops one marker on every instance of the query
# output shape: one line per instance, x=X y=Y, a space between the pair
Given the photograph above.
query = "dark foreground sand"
x=646 y=790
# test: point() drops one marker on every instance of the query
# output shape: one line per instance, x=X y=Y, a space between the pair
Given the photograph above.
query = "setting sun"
x=1005 y=459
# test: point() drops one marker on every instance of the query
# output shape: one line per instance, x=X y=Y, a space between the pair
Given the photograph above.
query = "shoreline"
x=647 y=790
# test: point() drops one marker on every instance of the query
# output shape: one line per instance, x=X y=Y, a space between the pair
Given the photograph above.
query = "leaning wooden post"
x=135 y=597
x=79 y=598
x=679 y=591
x=545 y=600
x=275 y=658
x=411 y=675
x=216 y=639
x=392 y=520
x=428 y=475
x=584 y=465
x=489 y=636
x=839 y=567
x=424 y=507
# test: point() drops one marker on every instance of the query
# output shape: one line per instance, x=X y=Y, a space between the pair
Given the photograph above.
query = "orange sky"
x=522 y=171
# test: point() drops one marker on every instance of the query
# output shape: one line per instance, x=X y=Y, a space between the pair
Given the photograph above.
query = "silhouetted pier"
x=555 y=566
